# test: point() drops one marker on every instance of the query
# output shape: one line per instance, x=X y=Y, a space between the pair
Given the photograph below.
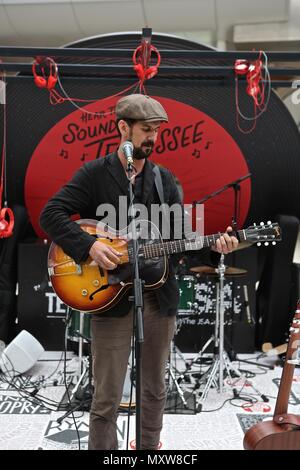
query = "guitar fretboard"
x=157 y=249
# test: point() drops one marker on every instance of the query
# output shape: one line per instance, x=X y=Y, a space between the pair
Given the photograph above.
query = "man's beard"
x=144 y=151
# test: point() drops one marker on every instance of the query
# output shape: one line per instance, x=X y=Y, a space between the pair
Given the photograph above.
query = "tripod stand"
x=81 y=395
x=172 y=371
x=214 y=376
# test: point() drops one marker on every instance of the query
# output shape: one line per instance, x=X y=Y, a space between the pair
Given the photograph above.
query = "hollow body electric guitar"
x=89 y=288
x=283 y=431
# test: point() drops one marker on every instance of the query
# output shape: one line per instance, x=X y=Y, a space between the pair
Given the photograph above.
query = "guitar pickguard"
x=150 y=270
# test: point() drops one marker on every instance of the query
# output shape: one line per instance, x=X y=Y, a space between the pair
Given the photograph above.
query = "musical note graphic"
x=196 y=153
x=83 y=156
x=64 y=154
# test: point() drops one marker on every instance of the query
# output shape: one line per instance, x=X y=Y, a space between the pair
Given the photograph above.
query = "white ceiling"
x=57 y=22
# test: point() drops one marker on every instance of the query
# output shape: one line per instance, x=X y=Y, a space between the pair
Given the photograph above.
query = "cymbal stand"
x=82 y=368
x=175 y=374
x=216 y=370
x=84 y=375
x=215 y=375
x=177 y=386
x=213 y=338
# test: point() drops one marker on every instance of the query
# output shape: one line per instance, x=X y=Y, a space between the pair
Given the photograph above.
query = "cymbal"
x=209 y=270
x=271 y=350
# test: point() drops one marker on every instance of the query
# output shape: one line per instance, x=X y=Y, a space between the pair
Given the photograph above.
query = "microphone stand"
x=215 y=193
x=138 y=308
x=236 y=188
x=236 y=209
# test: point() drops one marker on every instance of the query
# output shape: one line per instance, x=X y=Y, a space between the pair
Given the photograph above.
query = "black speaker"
x=275 y=289
x=39 y=310
x=295 y=288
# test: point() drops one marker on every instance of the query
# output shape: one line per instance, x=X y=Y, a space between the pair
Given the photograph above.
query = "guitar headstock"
x=264 y=233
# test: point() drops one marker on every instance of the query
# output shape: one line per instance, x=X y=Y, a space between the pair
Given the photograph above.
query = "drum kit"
x=198 y=295
x=195 y=288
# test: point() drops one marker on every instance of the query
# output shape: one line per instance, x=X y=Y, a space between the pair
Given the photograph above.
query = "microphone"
x=127 y=149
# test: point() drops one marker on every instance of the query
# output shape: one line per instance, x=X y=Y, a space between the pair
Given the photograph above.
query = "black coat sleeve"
x=73 y=198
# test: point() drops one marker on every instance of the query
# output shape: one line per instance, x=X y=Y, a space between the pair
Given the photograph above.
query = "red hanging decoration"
x=141 y=61
x=48 y=73
x=6 y=215
x=6 y=226
x=257 y=75
x=49 y=77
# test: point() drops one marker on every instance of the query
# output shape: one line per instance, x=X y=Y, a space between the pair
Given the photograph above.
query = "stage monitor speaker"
x=21 y=354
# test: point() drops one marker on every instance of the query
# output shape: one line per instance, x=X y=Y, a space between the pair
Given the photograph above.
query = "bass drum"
x=79 y=323
x=187 y=291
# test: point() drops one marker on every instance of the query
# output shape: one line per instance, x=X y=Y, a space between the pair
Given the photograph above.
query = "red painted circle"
x=199 y=151
x=132 y=445
x=259 y=407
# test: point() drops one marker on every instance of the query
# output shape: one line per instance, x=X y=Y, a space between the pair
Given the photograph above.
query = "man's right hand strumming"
x=104 y=255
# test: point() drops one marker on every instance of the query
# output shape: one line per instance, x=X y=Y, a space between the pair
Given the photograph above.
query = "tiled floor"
x=26 y=424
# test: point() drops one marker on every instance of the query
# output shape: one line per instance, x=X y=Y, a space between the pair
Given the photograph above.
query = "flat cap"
x=141 y=108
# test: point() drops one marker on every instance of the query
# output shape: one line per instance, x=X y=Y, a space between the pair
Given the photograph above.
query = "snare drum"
x=74 y=326
x=186 y=286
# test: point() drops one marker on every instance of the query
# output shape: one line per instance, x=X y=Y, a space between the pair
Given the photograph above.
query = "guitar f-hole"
x=105 y=286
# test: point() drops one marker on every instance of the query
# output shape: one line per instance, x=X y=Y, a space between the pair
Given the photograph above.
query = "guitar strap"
x=158 y=184
x=159 y=187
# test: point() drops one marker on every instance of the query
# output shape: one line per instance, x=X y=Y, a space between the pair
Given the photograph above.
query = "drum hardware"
x=82 y=335
x=175 y=376
x=82 y=378
x=214 y=376
x=177 y=386
x=83 y=390
x=198 y=297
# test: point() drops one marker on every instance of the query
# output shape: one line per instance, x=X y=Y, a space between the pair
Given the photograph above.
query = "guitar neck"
x=179 y=246
x=286 y=380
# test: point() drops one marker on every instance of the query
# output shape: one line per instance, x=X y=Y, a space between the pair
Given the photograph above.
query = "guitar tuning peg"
x=266 y=243
x=254 y=225
x=273 y=243
x=269 y=222
x=262 y=224
x=259 y=244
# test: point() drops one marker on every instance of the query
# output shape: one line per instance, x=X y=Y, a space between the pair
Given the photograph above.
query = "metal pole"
x=221 y=269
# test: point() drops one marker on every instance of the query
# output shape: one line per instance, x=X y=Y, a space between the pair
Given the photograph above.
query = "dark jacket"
x=103 y=181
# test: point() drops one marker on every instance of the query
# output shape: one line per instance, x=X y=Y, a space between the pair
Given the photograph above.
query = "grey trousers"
x=111 y=341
